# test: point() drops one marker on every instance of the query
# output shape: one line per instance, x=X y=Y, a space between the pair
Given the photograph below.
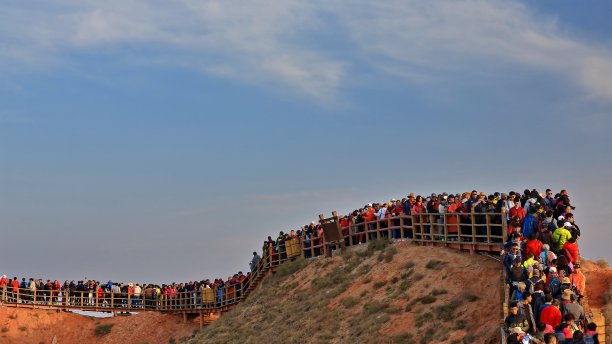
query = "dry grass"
x=306 y=303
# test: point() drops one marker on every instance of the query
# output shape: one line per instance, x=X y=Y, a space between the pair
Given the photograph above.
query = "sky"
x=161 y=141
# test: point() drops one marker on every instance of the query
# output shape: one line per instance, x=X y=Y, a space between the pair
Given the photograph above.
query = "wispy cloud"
x=269 y=42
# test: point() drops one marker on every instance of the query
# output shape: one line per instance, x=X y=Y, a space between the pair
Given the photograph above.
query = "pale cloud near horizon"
x=267 y=42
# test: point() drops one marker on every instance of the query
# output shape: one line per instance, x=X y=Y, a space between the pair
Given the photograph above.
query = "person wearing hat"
x=561 y=235
x=570 y=306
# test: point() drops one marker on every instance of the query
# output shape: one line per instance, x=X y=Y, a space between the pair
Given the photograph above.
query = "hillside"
x=399 y=294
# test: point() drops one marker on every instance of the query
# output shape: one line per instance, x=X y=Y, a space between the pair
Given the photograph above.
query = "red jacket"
x=534 y=246
x=551 y=316
x=571 y=251
x=3 y=281
x=517 y=212
x=15 y=284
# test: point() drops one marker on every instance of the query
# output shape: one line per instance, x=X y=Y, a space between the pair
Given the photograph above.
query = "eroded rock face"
x=25 y=326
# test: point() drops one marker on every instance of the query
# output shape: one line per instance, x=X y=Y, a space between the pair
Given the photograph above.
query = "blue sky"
x=164 y=140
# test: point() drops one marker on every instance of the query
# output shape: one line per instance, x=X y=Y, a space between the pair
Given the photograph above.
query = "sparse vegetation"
x=435 y=264
x=427 y=299
x=466 y=295
x=379 y=284
x=437 y=292
x=404 y=337
x=103 y=329
x=602 y=263
x=13 y=316
x=389 y=253
x=22 y=328
x=374 y=307
x=349 y=301
x=4 y=329
x=460 y=324
x=445 y=312
x=290 y=267
x=422 y=318
x=378 y=245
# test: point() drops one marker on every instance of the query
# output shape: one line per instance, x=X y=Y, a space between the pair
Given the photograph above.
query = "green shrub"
x=445 y=312
x=435 y=264
x=394 y=280
x=389 y=253
x=404 y=338
x=290 y=267
x=103 y=329
x=374 y=307
x=423 y=318
x=409 y=265
x=379 y=284
x=469 y=296
x=437 y=292
x=427 y=299
x=460 y=324
x=349 y=301
x=378 y=245
x=404 y=286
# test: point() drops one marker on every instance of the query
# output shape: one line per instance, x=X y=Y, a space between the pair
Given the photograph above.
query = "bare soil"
x=25 y=326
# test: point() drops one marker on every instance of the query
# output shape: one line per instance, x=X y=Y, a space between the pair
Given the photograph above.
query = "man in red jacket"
x=517 y=212
x=14 y=289
x=551 y=315
x=571 y=250
x=533 y=245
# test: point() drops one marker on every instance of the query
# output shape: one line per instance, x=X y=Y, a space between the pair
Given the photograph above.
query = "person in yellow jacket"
x=561 y=235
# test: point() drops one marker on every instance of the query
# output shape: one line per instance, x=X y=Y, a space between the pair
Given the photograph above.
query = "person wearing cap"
x=575 y=230
x=561 y=235
x=569 y=304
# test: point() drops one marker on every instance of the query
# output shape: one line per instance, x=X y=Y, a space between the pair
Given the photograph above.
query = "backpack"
x=555 y=283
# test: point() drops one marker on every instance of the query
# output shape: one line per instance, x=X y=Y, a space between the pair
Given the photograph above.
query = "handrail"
x=473 y=231
x=482 y=231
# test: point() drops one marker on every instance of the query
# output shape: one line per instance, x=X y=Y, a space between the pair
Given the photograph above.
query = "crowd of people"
x=540 y=257
x=542 y=264
x=92 y=293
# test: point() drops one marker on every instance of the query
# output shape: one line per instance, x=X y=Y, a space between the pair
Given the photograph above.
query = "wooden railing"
x=471 y=231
